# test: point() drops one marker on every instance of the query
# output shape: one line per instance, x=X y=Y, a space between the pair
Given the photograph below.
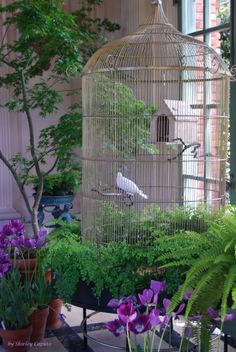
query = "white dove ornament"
x=128 y=186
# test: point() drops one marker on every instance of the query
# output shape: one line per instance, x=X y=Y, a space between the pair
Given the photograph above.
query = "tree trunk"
x=35 y=224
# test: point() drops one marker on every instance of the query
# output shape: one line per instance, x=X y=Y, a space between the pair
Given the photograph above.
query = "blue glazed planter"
x=58 y=206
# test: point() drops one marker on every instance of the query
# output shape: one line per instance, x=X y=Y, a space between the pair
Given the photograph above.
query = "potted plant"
x=58 y=193
x=15 y=310
x=63 y=183
x=49 y=39
x=211 y=265
x=21 y=248
x=41 y=296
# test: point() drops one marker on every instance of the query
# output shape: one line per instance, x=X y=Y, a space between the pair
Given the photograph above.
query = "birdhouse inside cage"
x=174 y=119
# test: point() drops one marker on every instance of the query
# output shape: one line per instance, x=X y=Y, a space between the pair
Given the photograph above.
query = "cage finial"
x=157 y=16
x=156 y=2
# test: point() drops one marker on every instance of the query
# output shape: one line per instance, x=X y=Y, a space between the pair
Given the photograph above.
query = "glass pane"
x=217 y=12
x=192 y=15
x=200 y=37
x=220 y=41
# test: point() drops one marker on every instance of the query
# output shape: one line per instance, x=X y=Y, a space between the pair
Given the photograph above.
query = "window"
x=209 y=21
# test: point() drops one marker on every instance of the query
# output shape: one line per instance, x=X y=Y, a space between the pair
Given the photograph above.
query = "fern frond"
x=203 y=283
x=228 y=285
x=224 y=258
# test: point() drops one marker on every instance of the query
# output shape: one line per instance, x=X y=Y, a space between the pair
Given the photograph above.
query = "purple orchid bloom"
x=166 y=303
x=215 y=316
x=179 y=310
x=146 y=297
x=130 y=299
x=29 y=243
x=230 y=317
x=158 y=286
x=188 y=294
x=127 y=313
x=117 y=327
x=113 y=303
x=14 y=227
x=4 y=242
x=188 y=332
x=140 y=324
x=154 y=318
x=5 y=264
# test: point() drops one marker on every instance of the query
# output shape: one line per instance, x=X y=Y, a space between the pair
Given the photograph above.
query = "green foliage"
x=118 y=266
x=15 y=307
x=62 y=138
x=124 y=267
x=211 y=264
x=41 y=292
x=201 y=334
x=59 y=184
x=129 y=119
x=225 y=45
x=132 y=226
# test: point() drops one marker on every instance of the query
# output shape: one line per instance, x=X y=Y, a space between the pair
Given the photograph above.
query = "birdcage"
x=155 y=131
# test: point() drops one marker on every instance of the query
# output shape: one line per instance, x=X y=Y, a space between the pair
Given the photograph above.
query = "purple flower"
x=155 y=298
x=188 y=294
x=113 y=303
x=4 y=242
x=188 y=331
x=129 y=299
x=146 y=297
x=166 y=303
x=140 y=324
x=14 y=227
x=117 y=327
x=158 y=286
x=213 y=314
x=230 y=317
x=29 y=243
x=5 y=264
x=180 y=309
x=154 y=318
x=127 y=313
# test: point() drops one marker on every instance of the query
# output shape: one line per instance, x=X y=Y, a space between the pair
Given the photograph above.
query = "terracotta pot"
x=38 y=320
x=17 y=340
x=55 y=307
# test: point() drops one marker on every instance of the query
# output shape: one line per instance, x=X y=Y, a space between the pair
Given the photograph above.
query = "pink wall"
x=13 y=131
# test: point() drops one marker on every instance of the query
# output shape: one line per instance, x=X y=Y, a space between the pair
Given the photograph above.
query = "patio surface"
x=69 y=337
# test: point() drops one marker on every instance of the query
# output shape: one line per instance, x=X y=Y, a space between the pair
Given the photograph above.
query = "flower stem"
x=153 y=337
x=128 y=337
x=162 y=336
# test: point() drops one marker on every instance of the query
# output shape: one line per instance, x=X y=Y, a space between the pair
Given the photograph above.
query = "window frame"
x=205 y=32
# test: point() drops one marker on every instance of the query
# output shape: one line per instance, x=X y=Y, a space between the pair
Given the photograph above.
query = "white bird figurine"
x=128 y=186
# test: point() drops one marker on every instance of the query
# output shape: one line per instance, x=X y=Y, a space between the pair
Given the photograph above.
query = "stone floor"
x=69 y=337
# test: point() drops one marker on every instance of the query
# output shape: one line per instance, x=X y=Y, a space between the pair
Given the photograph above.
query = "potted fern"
x=211 y=265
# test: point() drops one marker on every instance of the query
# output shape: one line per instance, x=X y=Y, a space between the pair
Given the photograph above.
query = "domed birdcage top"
x=156 y=44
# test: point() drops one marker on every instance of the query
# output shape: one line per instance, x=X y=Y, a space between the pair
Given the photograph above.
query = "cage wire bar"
x=155 y=130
